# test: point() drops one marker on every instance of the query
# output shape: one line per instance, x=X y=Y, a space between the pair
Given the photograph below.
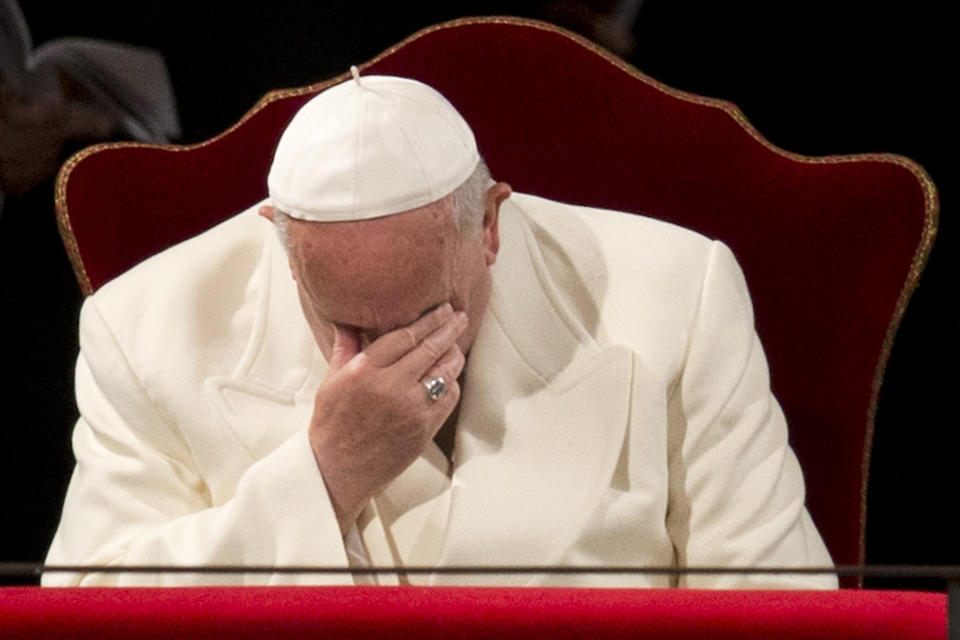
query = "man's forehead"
x=355 y=289
x=387 y=260
x=414 y=226
x=377 y=274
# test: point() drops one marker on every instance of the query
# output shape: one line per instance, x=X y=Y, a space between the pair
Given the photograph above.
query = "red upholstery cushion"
x=831 y=247
x=416 y=612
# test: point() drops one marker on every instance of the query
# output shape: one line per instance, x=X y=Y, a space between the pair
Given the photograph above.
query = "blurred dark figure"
x=34 y=134
x=54 y=100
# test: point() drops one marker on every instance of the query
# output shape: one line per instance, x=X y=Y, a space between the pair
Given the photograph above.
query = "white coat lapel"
x=542 y=422
x=268 y=395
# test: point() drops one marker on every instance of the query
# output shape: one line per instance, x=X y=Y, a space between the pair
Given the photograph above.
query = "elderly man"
x=454 y=375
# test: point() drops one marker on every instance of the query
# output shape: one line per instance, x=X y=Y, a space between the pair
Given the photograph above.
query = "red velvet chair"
x=832 y=247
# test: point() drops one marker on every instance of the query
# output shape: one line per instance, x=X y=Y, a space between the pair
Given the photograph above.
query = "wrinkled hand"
x=371 y=415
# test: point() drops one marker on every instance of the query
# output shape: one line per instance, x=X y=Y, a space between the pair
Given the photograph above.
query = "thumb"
x=346 y=344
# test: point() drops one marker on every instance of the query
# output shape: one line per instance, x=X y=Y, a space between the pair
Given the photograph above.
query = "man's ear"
x=492 y=200
x=266 y=211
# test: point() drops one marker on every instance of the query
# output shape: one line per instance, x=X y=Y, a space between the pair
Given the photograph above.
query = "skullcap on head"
x=369 y=147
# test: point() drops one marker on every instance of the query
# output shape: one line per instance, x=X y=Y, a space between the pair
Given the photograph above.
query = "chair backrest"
x=832 y=247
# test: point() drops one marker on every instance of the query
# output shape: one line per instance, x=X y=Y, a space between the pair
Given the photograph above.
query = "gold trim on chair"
x=931 y=204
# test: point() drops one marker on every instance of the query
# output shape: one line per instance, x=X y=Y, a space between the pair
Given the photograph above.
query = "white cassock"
x=616 y=411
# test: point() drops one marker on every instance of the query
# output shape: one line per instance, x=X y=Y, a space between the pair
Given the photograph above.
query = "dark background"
x=813 y=77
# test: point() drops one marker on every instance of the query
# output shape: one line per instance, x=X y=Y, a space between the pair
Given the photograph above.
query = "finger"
x=431 y=349
x=441 y=407
x=393 y=345
x=346 y=344
x=447 y=367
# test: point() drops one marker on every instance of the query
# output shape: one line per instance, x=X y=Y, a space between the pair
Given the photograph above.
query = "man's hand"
x=372 y=417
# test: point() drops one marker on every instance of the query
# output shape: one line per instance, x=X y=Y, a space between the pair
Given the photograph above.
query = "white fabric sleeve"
x=135 y=497
x=736 y=488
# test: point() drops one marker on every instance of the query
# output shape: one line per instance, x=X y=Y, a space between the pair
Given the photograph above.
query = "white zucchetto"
x=369 y=147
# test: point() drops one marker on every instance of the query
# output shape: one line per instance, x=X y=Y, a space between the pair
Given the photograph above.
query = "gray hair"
x=466 y=205
x=466 y=201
